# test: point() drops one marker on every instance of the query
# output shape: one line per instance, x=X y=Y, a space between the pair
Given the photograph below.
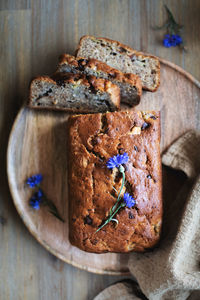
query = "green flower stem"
x=173 y=27
x=115 y=209
x=170 y=16
x=110 y=218
x=52 y=209
x=121 y=169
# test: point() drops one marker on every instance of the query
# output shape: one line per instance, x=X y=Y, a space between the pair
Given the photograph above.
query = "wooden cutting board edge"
x=25 y=220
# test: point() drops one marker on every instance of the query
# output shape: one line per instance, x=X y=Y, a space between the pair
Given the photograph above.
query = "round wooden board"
x=38 y=144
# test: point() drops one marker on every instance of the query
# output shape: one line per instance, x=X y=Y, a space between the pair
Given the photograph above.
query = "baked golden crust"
x=97 y=65
x=93 y=139
x=125 y=48
x=97 y=84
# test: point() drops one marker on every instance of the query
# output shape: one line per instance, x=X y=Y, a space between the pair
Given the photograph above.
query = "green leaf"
x=57 y=215
x=110 y=218
x=176 y=27
x=116 y=207
x=52 y=209
x=170 y=16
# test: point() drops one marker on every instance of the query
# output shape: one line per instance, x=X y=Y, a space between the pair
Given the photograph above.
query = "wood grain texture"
x=33 y=34
x=38 y=144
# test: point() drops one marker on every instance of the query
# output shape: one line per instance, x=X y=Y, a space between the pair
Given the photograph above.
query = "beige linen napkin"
x=172 y=270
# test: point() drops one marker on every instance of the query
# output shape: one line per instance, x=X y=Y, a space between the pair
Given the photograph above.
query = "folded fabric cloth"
x=126 y=289
x=172 y=270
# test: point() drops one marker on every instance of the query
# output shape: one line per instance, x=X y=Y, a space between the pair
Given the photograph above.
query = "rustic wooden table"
x=33 y=34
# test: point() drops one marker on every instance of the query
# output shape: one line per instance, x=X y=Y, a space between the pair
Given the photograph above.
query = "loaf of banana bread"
x=74 y=93
x=129 y=84
x=123 y=58
x=93 y=187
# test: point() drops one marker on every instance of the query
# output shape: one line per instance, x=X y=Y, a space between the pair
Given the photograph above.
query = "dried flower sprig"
x=39 y=197
x=173 y=36
x=117 y=162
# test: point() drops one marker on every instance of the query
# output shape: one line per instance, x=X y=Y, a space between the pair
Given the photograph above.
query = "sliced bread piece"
x=123 y=58
x=129 y=84
x=75 y=93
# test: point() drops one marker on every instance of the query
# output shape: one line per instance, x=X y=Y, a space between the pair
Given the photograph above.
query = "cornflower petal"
x=129 y=200
x=112 y=162
x=117 y=160
x=34 y=180
x=122 y=159
x=36 y=199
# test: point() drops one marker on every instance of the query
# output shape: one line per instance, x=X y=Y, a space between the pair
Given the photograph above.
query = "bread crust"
x=99 y=84
x=137 y=53
x=97 y=65
x=93 y=139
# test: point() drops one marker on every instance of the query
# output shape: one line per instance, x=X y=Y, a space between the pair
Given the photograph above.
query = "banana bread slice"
x=123 y=58
x=74 y=92
x=129 y=84
x=93 y=188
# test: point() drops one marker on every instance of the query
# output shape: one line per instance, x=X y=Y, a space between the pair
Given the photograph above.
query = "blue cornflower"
x=35 y=203
x=34 y=180
x=172 y=40
x=36 y=199
x=39 y=194
x=116 y=161
x=178 y=40
x=129 y=200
